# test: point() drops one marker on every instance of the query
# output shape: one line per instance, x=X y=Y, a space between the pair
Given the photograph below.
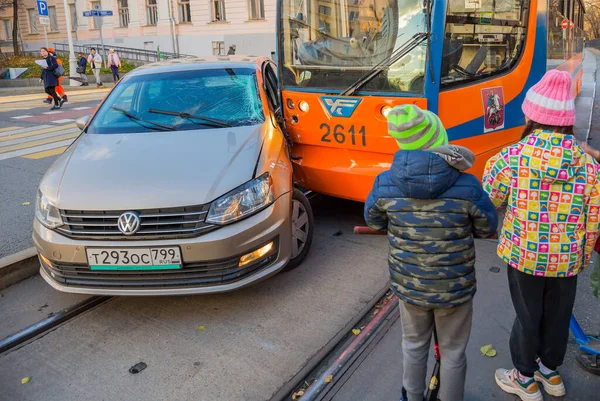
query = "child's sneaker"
x=509 y=381
x=551 y=380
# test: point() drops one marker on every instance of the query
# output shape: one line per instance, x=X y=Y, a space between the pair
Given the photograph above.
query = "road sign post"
x=97 y=14
x=42 y=8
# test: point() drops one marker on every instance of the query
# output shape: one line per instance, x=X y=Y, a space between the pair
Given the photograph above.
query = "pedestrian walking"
x=60 y=90
x=551 y=189
x=96 y=64
x=431 y=210
x=231 y=50
x=114 y=63
x=48 y=78
x=81 y=68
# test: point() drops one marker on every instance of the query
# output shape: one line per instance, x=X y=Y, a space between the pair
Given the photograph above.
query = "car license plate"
x=134 y=258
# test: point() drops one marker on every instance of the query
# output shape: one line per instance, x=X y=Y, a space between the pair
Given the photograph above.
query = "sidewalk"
x=7 y=94
x=379 y=376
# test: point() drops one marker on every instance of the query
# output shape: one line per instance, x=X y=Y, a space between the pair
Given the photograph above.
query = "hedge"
x=35 y=70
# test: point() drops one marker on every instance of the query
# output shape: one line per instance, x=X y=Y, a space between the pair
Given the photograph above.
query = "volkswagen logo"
x=129 y=223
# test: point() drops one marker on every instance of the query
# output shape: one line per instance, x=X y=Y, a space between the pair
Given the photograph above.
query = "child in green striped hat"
x=431 y=210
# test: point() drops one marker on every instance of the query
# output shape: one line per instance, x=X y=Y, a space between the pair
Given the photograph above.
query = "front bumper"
x=209 y=262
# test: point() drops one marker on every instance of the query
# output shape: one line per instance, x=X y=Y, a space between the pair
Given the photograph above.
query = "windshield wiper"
x=138 y=119
x=387 y=62
x=209 y=121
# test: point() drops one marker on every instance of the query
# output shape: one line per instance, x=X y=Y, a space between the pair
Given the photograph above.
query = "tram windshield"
x=330 y=44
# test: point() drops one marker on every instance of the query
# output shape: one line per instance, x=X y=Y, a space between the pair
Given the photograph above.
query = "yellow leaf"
x=329 y=379
x=25 y=380
x=488 y=350
x=296 y=396
x=26 y=203
x=356 y=332
x=201 y=328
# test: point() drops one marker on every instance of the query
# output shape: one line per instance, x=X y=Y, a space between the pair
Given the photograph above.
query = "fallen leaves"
x=356 y=331
x=329 y=379
x=488 y=350
x=25 y=380
x=25 y=203
x=297 y=395
x=201 y=328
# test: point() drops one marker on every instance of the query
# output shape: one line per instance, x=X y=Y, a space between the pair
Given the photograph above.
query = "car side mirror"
x=82 y=122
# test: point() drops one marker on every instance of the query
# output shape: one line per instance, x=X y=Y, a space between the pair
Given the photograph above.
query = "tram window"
x=483 y=38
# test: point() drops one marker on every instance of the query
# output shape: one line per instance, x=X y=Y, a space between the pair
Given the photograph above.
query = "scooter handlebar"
x=364 y=230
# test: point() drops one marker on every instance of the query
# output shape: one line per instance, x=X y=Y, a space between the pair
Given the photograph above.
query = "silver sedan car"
x=180 y=183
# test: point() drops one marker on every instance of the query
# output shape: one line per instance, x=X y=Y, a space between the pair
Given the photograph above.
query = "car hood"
x=152 y=170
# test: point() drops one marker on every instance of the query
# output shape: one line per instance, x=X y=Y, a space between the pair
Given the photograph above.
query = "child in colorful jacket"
x=551 y=189
x=431 y=211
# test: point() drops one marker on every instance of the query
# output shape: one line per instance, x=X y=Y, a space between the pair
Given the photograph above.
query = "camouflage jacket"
x=432 y=213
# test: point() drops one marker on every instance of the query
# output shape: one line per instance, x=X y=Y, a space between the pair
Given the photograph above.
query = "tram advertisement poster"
x=493 y=108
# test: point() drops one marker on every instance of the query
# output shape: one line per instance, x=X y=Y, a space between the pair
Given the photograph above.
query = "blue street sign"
x=97 y=13
x=42 y=7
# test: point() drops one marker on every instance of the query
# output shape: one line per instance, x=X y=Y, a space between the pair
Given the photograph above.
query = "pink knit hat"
x=549 y=102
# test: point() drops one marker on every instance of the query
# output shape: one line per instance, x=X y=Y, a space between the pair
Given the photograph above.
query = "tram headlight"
x=303 y=106
x=385 y=110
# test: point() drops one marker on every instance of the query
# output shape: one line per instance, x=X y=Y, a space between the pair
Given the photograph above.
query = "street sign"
x=565 y=23
x=98 y=13
x=42 y=8
x=44 y=20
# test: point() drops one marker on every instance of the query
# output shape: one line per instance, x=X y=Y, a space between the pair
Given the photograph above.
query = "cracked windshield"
x=329 y=44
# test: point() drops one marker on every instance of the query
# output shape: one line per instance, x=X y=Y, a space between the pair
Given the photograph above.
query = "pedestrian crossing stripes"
x=37 y=143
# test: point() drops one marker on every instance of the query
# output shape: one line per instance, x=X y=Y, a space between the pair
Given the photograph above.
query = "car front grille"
x=202 y=274
x=178 y=222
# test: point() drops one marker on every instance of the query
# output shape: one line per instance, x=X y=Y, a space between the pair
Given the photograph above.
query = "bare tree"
x=15 y=22
x=592 y=18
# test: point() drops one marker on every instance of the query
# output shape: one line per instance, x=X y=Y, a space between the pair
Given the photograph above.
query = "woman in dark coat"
x=48 y=78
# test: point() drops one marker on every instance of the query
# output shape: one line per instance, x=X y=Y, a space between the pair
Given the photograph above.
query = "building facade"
x=202 y=27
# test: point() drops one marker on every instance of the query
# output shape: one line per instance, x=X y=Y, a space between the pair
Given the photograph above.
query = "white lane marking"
x=37 y=137
x=35 y=149
x=21 y=117
x=54 y=112
x=66 y=120
x=81 y=108
x=22 y=130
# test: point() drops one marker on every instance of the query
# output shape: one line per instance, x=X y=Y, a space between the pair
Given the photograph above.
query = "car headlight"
x=46 y=212
x=248 y=199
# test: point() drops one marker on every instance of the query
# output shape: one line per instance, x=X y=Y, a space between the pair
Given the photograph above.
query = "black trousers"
x=544 y=307
x=51 y=90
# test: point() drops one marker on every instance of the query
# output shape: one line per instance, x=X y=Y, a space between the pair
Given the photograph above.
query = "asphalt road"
x=31 y=138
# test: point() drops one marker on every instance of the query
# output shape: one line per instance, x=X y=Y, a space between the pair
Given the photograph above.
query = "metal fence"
x=128 y=53
x=595 y=43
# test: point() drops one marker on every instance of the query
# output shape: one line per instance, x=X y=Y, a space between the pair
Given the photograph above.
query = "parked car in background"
x=180 y=183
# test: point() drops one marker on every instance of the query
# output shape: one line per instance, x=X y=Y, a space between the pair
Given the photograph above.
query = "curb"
x=17 y=267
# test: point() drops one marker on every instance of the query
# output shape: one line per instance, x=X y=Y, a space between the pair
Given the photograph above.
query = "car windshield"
x=330 y=44
x=182 y=100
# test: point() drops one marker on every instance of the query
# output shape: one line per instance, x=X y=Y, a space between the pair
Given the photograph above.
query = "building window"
x=185 y=13
x=218 y=10
x=53 y=19
x=7 y=29
x=327 y=10
x=73 y=10
x=96 y=5
x=32 y=14
x=257 y=9
x=123 y=13
x=218 y=48
x=151 y=12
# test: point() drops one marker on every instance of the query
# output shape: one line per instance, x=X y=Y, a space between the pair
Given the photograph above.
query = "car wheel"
x=302 y=229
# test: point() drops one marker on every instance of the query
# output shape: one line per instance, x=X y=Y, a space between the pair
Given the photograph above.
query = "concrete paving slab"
x=255 y=339
x=379 y=377
x=30 y=301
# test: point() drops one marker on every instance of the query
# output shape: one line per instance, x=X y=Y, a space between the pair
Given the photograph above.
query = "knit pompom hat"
x=550 y=102
x=415 y=129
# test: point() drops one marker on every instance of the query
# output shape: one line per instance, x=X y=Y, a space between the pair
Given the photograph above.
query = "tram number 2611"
x=341 y=135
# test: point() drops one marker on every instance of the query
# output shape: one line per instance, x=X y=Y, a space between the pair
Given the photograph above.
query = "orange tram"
x=343 y=64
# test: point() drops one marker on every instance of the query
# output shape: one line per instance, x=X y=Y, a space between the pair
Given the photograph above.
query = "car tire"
x=303 y=226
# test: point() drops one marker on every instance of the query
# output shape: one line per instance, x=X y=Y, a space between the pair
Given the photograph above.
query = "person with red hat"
x=60 y=91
